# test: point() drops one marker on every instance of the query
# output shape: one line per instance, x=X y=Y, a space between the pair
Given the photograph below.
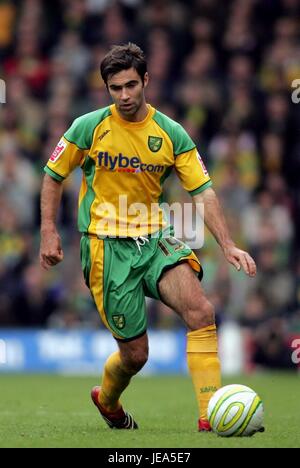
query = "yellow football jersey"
x=124 y=165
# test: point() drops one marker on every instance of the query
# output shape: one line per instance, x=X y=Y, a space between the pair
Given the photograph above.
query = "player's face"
x=127 y=91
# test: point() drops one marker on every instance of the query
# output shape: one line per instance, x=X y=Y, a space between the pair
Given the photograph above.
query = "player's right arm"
x=67 y=155
x=51 y=251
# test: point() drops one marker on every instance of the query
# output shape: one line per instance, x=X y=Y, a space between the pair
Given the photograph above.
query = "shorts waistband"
x=154 y=235
x=95 y=236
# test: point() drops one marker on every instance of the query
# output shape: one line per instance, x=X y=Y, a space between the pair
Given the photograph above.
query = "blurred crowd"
x=224 y=70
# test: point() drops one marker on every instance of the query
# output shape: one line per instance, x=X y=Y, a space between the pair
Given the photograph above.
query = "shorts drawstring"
x=140 y=241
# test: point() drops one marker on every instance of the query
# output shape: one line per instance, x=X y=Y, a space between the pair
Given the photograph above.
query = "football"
x=235 y=410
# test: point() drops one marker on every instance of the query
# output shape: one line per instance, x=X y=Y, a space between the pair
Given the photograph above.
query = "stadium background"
x=225 y=71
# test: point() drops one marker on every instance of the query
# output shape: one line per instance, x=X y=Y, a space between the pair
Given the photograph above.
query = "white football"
x=235 y=410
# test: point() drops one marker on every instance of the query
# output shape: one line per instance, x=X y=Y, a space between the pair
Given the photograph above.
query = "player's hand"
x=51 y=251
x=240 y=259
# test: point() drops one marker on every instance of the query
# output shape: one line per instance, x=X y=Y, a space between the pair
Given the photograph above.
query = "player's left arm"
x=215 y=221
x=195 y=179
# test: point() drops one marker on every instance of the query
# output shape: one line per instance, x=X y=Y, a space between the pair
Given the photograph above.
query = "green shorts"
x=120 y=275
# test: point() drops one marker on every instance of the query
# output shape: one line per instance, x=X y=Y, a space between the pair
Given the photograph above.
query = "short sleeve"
x=192 y=172
x=64 y=159
x=70 y=151
x=73 y=148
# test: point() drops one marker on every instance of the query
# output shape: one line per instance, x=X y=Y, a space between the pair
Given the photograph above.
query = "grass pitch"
x=56 y=411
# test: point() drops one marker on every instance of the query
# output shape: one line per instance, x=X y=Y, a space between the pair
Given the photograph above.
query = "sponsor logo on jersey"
x=61 y=146
x=121 y=163
x=154 y=143
x=103 y=134
x=202 y=164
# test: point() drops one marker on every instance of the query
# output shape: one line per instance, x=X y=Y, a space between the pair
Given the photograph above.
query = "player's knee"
x=208 y=314
x=134 y=361
x=202 y=316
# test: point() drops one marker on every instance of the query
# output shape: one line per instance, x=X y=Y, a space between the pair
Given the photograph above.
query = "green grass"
x=55 y=411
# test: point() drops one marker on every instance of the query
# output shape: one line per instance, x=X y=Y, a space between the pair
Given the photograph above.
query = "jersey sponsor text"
x=121 y=163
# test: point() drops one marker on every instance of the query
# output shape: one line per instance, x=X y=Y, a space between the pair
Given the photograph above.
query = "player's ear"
x=146 y=79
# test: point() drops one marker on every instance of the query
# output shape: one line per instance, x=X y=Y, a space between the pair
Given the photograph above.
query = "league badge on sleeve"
x=61 y=146
x=202 y=164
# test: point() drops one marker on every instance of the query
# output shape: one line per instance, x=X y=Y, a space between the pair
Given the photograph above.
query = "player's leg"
x=119 y=298
x=119 y=368
x=180 y=289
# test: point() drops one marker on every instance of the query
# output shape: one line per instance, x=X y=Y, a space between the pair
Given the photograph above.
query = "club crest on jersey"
x=202 y=164
x=61 y=146
x=119 y=321
x=154 y=143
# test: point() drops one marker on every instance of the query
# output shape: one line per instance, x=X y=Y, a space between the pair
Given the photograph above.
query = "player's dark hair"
x=123 y=57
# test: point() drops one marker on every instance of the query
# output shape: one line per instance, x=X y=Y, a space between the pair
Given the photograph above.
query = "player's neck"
x=139 y=116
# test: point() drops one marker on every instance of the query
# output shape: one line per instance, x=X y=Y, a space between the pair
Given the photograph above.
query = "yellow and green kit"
x=124 y=166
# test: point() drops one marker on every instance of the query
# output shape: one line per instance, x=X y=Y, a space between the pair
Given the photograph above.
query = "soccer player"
x=126 y=151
